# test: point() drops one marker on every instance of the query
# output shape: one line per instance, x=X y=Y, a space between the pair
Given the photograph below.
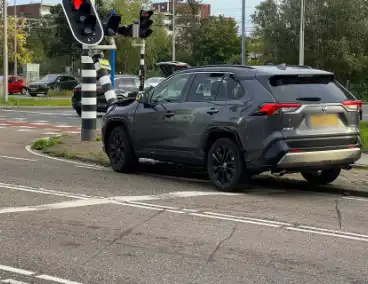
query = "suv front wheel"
x=321 y=177
x=120 y=151
x=225 y=164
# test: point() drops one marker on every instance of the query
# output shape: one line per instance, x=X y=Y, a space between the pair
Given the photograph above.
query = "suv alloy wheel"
x=225 y=164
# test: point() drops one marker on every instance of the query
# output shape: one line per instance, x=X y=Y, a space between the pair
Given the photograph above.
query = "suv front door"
x=154 y=122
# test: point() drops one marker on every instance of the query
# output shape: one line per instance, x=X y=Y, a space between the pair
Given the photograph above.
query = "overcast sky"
x=229 y=8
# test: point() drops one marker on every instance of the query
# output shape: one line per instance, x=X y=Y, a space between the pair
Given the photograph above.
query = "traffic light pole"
x=142 y=65
x=89 y=100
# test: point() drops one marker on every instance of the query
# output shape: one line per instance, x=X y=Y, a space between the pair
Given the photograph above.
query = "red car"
x=17 y=84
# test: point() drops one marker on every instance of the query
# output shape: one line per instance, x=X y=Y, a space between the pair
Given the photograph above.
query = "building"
x=165 y=9
x=33 y=12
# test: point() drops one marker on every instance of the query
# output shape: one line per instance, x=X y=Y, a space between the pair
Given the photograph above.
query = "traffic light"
x=111 y=24
x=126 y=31
x=83 y=21
x=144 y=23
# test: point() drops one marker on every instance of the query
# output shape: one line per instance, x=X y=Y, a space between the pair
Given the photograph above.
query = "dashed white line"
x=17 y=158
x=25 y=130
x=356 y=198
x=26 y=127
x=12 y=281
x=4 y=124
x=56 y=279
x=16 y=270
x=64 y=126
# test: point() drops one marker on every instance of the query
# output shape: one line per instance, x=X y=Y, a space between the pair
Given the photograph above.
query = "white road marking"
x=171 y=195
x=356 y=198
x=19 y=118
x=73 y=132
x=2 y=127
x=16 y=270
x=64 y=126
x=4 y=124
x=43 y=191
x=56 y=279
x=92 y=167
x=40 y=123
x=25 y=130
x=51 y=133
x=16 y=158
x=12 y=281
x=26 y=127
x=54 y=206
x=64 y=113
x=327 y=234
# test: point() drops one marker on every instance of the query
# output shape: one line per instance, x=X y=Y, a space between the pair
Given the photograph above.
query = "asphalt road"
x=77 y=223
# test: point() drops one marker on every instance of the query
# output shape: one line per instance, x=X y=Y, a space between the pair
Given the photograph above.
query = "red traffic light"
x=77 y=4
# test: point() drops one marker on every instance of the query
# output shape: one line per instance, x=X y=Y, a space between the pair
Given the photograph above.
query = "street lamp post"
x=243 y=57
x=173 y=31
x=15 y=39
x=5 y=49
x=301 y=34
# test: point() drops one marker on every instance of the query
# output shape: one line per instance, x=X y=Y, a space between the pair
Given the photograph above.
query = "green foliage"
x=43 y=144
x=364 y=134
x=60 y=93
x=37 y=102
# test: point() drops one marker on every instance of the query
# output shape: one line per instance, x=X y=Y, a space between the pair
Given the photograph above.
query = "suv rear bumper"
x=319 y=158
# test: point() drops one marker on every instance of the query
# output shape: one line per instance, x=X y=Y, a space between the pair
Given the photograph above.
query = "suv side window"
x=205 y=87
x=234 y=88
x=172 y=90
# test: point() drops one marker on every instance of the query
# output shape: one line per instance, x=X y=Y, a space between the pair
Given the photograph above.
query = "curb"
x=364 y=167
x=37 y=107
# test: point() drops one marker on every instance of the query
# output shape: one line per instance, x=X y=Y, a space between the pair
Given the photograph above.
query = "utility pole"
x=243 y=57
x=5 y=59
x=15 y=39
x=301 y=34
x=173 y=30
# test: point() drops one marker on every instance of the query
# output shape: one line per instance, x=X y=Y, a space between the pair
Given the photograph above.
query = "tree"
x=218 y=41
x=24 y=55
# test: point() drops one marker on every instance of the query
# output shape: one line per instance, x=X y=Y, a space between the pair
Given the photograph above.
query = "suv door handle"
x=213 y=111
x=169 y=114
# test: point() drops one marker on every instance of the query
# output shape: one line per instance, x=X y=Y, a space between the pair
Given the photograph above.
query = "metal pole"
x=15 y=39
x=5 y=14
x=142 y=66
x=243 y=57
x=89 y=101
x=301 y=34
x=173 y=31
x=112 y=59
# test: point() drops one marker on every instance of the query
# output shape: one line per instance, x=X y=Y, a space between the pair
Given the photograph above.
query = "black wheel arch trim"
x=118 y=120
x=221 y=129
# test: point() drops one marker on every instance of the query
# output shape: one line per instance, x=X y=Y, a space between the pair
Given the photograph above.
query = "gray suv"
x=239 y=121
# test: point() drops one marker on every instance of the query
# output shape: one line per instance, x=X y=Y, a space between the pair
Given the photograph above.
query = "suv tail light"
x=353 y=105
x=270 y=109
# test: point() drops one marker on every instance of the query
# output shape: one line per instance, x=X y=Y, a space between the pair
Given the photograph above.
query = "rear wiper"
x=309 y=99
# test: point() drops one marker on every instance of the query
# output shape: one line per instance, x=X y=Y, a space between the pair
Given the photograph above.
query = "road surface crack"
x=220 y=244
x=339 y=218
x=126 y=232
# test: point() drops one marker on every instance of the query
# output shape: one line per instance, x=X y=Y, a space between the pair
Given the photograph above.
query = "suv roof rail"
x=284 y=65
x=228 y=65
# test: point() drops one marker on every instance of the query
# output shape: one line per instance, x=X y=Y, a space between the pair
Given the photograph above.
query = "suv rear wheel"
x=225 y=164
x=322 y=177
x=120 y=151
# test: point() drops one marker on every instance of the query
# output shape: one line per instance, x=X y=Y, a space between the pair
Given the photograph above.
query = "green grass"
x=60 y=93
x=43 y=144
x=364 y=134
x=37 y=102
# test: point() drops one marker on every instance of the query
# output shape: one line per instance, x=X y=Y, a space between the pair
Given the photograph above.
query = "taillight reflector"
x=270 y=109
x=353 y=105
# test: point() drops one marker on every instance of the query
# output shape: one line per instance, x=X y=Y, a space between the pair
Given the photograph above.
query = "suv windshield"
x=49 y=78
x=293 y=87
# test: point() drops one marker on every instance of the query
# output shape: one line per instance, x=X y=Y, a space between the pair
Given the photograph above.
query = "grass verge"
x=364 y=135
x=60 y=93
x=37 y=102
x=43 y=144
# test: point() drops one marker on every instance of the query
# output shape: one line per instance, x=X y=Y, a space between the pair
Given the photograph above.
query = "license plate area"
x=324 y=121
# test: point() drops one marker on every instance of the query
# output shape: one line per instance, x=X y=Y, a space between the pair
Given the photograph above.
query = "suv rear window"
x=323 y=88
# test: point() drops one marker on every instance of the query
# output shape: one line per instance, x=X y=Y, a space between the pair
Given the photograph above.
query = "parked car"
x=52 y=82
x=17 y=84
x=124 y=84
x=239 y=121
x=153 y=81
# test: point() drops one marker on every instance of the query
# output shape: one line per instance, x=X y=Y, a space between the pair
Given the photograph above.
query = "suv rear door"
x=311 y=105
x=198 y=112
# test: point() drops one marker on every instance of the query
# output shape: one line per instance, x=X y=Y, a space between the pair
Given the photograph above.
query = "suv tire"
x=225 y=165
x=322 y=177
x=120 y=151
x=79 y=111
